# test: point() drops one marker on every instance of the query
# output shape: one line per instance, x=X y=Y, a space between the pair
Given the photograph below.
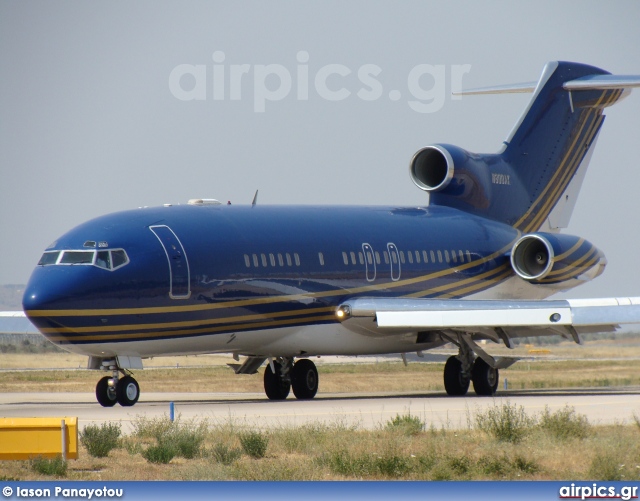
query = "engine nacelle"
x=456 y=178
x=549 y=258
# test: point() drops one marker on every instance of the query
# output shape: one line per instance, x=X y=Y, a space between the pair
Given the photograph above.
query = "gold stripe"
x=190 y=332
x=191 y=323
x=473 y=288
x=529 y=211
x=574 y=163
x=560 y=170
x=268 y=300
x=587 y=255
x=571 y=250
x=567 y=175
x=459 y=283
x=574 y=271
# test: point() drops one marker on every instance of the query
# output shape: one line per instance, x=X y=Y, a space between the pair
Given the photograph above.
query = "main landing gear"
x=462 y=369
x=123 y=390
x=301 y=377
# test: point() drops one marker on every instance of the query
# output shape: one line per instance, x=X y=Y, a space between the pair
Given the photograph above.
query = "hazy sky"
x=93 y=116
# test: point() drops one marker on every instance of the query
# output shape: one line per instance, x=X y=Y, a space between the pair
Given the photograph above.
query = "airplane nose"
x=43 y=292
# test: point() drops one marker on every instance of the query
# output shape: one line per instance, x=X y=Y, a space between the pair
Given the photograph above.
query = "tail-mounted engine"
x=457 y=178
x=548 y=258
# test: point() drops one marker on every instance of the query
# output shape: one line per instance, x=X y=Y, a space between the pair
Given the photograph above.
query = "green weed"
x=100 y=440
x=254 y=444
x=55 y=466
x=506 y=423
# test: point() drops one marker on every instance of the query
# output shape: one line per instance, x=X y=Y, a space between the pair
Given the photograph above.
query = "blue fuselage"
x=206 y=270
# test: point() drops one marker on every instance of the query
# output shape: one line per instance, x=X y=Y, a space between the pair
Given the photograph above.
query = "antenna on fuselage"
x=255 y=199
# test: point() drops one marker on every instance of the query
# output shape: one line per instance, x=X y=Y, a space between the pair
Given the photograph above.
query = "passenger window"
x=353 y=257
x=321 y=258
x=394 y=258
x=468 y=256
x=454 y=257
x=386 y=257
x=272 y=259
x=49 y=258
x=417 y=256
x=461 y=256
x=439 y=256
x=297 y=258
x=345 y=258
x=446 y=255
x=247 y=262
x=377 y=257
x=255 y=261
x=264 y=260
x=369 y=258
x=280 y=260
x=410 y=256
x=424 y=256
x=118 y=258
x=360 y=257
x=288 y=256
x=402 y=257
x=103 y=260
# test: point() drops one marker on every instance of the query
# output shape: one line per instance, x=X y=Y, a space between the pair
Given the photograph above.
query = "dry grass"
x=602 y=363
x=338 y=378
x=337 y=452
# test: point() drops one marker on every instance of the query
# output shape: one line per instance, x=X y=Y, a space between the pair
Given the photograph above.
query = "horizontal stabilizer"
x=499 y=89
x=591 y=82
x=603 y=82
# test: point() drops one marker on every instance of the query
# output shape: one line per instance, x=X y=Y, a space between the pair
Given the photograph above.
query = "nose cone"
x=44 y=291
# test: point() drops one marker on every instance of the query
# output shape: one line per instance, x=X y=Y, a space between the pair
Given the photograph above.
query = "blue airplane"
x=285 y=283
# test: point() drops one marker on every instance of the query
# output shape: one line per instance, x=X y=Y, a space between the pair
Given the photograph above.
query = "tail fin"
x=534 y=181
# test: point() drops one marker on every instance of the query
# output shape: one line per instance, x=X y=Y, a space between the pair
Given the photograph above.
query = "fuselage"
x=197 y=276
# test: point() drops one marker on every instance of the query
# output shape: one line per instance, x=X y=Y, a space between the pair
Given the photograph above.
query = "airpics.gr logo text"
x=427 y=85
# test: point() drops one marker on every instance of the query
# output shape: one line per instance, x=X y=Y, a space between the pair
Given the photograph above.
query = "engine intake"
x=432 y=168
x=552 y=258
x=532 y=257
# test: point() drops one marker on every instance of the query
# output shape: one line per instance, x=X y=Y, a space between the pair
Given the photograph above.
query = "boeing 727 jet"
x=281 y=284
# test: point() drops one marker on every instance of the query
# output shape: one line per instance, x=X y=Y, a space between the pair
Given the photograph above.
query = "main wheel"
x=105 y=394
x=127 y=391
x=304 y=379
x=455 y=383
x=485 y=378
x=275 y=387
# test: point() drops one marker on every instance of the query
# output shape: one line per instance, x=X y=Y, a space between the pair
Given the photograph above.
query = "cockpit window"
x=77 y=257
x=103 y=260
x=107 y=259
x=119 y=258
x=49 y=258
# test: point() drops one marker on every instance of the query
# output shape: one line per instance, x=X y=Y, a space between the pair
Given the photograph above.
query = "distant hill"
x=11 y=297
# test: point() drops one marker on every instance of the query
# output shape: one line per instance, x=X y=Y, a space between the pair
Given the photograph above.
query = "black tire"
x=304 y=379
x=274 y=386
x=485 y=378
x=127 y=391
x=455 y=383
x=105 y=394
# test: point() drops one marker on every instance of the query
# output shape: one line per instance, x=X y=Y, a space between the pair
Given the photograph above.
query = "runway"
x=367 y=411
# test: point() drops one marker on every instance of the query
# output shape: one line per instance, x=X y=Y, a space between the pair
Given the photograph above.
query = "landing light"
x=343 y=312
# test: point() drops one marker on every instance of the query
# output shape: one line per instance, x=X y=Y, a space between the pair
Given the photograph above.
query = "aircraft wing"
x=499 y=320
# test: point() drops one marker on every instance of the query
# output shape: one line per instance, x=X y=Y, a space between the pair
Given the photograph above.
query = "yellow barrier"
x=24 y=438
